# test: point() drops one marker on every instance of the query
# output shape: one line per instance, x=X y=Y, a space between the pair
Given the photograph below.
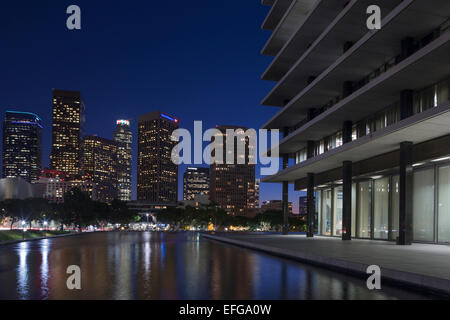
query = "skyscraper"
x=124 y=138
x=157 y=174
x=67 y=131
x=195 y=181
x=100 y=166
x=232 y=186
x=22 y=151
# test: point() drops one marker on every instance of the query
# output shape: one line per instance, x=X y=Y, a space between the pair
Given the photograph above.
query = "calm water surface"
x=168 y=266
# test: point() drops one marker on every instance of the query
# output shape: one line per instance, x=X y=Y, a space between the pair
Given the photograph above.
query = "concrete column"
x=347 y=127
x=406 y=104
x=311 y=206
x=347 y=200
x=405 y=194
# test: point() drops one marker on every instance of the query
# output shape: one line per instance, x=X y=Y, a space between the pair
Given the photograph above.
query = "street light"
x=146 y=227
x=45 y=225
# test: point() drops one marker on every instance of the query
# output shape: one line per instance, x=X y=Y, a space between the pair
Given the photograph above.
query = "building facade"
x=274 y=205
x=100 y=167
x=157 y=174
x=68 y=116
x=195 y=181
x=232 y=186
x=365 y=116
x=124 y=139
x=22 y=148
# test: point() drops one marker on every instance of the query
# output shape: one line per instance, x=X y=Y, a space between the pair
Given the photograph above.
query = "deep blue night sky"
x=195 y=60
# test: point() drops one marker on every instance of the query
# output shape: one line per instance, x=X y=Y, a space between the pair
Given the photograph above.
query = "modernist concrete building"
x=365 y=115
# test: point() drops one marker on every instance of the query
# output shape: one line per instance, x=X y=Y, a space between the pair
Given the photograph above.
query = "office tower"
x=365 y=116
x=124 y=139
x=52 y=185
x=100 y=166
x=232 y=186
x=22 y=150
x=274 y=205
x=157 y=174
x=67 y=131
x=195 y=181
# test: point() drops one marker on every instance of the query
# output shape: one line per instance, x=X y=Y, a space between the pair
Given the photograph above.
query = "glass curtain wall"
x=326 y=213
x=337 y=216
x=354 y=210
x=365 y=210
x=444 y=205
x=423 y=205
x=395 y=207
x=381 y=209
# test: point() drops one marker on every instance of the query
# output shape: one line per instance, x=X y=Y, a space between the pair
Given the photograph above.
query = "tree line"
x=77 y=210
x=201 y=218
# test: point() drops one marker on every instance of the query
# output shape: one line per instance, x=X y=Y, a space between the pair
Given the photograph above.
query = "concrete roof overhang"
x=276 y=13
x=372 y=49
x=421 y=127
x=293 y=16
x=325 y=87
x=321 y=17
x=424 y=68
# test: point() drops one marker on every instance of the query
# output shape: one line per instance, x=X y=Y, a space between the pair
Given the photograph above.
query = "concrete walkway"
x=420 y=265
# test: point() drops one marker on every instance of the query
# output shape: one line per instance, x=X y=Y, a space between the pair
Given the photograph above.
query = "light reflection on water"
x=167 y=266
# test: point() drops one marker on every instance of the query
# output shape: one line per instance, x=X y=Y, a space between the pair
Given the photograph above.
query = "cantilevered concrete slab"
x=428 y=64
x=293 y=16
x=421 y=127
x=276 y=13
x=424 y=266
x=319 y=17
x=371 y=51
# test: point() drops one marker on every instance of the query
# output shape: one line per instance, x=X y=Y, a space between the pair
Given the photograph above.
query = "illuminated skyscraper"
x=100 y=166
x=124 y=138
x=67 y=131
x=22 y=152
x=195 y=181
x=157 y=174
x=232 y=186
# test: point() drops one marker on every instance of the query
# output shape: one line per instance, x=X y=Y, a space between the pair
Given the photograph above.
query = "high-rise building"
x=274 y=205
x=67 y=131
x=22 y=150
x=100 y=166
x=365 y=116
x=53 y=185
x=195 y=181
x=157 y=174
x=232 y=186
x=124 y=139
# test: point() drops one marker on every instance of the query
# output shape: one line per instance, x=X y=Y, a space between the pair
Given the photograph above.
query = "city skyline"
x=118 y=83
